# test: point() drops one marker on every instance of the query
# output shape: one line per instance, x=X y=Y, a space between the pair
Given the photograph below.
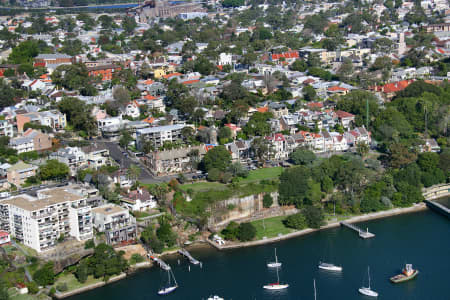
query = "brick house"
x=105 y=71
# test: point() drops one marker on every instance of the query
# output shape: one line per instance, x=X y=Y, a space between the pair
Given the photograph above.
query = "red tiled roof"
x=39 y=64
x=315 y=104
x=343 y=114
x=191 y=81
x=3 y=233
x=149 y=120
x=263 y=109
x=394 y=86
x=149 y=97
x=337 y=88
x=287 y=55
x=167 y=76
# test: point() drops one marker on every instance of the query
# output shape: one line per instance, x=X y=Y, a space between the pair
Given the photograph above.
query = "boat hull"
x=274 y=265
x=368 y=292
x=402 y=278
x=331 y=268
x=167 y=290
x=276 y=286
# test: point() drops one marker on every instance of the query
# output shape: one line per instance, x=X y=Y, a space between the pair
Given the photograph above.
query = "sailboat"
x=277 y=285
x=275 y=264
x=169 y=288
x=367 y=290
x=329 y=267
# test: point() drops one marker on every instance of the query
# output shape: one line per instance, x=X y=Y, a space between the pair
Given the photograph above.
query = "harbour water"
x=421 y=238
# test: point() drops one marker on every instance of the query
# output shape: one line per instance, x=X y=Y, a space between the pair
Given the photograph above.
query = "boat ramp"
x=362 y=234
x=186 y=254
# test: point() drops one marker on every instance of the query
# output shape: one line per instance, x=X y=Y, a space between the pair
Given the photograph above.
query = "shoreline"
x=210 y=244
x=371 y=216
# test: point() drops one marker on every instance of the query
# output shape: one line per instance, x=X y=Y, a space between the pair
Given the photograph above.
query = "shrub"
x=314 y=216
x=45 y=275
x=136 y=258
x=267 y=200
x=89 y=244
x=231 y=231
x=62 y=287
x=32 y=287
x=246 y=232
x=296 y=221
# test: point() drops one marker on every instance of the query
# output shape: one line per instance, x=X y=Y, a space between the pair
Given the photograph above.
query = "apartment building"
x=52 y=118
x=32 y=140
x=115 y=221
x=106 y=72
x=73 y=157
x=158 y=135
x=6 y=128
x=38 y=221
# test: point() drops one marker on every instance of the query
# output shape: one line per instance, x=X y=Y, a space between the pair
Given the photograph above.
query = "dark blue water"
x=422 y=239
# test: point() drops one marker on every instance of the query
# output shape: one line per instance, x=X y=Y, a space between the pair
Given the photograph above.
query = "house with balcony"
x=139 y=200
x=39 y=221
x=6 y=128
x=52 y=118
x=116 y=222
x=73 y=157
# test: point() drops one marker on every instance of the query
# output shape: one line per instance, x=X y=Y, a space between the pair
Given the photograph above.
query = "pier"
x=160 y=263
x=362 y=234
x=186 y=254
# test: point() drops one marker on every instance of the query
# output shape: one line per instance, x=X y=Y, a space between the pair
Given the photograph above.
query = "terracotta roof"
x=290 y=54
x=394 y=86
x=337 y=89
x=149 y=97
x=343 y=114
x=191 y=81
x=315 y=104
x=167 y=76
x=263 y=109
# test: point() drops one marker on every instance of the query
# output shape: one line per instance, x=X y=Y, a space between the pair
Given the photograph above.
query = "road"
x=125 y=161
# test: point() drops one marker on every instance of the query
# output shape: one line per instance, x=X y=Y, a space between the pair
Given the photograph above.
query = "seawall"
x=366 y=217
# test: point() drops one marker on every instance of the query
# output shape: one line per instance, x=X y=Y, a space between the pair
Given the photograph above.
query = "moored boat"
x=329 y=267
x=408 y=273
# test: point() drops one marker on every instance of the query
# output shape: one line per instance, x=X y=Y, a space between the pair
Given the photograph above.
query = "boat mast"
x=276 y=258
x=368 y=272
x=176 y=284
x=278 y=277
x=315 y=295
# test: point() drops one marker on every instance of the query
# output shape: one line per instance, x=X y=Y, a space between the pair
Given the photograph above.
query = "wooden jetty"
x=186 y=254
x=362 y=234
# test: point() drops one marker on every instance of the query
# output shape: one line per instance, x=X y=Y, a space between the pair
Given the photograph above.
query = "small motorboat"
x=329 y=267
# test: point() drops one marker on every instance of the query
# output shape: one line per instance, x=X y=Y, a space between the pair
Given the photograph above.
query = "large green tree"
x=217 y=158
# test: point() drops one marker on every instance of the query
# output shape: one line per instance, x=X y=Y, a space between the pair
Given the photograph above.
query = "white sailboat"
x=275 y=264
x=329 y=267
x=277 y=285
x=169 y=287
x=367 y=290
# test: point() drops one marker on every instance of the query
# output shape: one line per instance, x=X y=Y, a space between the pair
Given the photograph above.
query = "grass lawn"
x=273 y=226
x=203 y=186
x=262 y=174
x=253 y=176
x=14 y=295
x=72 y=282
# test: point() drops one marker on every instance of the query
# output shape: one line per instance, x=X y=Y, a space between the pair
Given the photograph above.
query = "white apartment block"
x=115 y=222
x=6 y=128
x=158 y=135
x=39 y=221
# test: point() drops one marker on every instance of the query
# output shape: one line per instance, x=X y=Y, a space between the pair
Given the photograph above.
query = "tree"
x=82 y=272
x=134 y=172
x=45 y=275
x=293 y=186
x=362 y=148
x=246 y=232
x=129 y=24
x=260 y=147
x=257 y=125
x=53 y=169
x=78 y=114
x=401 y=155
x=296 y=221
x=218 y=158
x=309 y=93
x=267 y=201
x=231 y=231
x=233 y=3
x=121 y=95
x=224 y=134
x=314 y=216
x=24 y=52
x=7 y=94
x=165 y=233
x=4 y=295
x=299 y=65
x=125 y=139
x=302 y=157
x=428 y=161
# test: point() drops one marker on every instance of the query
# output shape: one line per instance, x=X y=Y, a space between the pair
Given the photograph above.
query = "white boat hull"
x=331 y=268
x=167 y=290
x=276 y=286
x=368 y=292
x=274 y=265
